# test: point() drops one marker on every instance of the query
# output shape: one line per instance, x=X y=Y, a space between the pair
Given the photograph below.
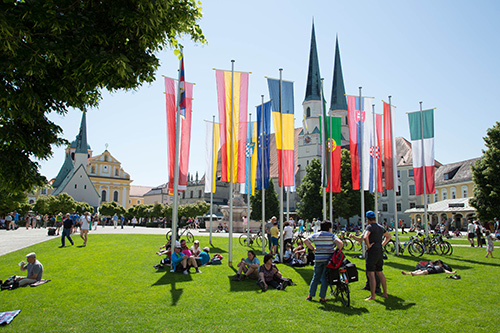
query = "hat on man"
x=32 y=254
x=370 y=214
x=177 y=244
x=206 y=249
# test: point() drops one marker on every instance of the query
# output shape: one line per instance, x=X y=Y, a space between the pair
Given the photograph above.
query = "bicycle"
x=348 y=243
x=246 y=240
x=185 y=230
x=341 y=285
x=414 y=247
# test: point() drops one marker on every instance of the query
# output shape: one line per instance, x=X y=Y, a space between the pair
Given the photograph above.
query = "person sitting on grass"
x=288 y=256
x=164 y=250
x=196 y=249
x=249 y=266
x=269 y=275
x=203 y=258
x=299 y=251
x=182 y=262
x=185 y=249
x=432 y=267
x=34 y=268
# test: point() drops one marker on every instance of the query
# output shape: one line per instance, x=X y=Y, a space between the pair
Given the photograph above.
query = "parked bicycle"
x=185 y=230
x=248 y=240
x=415 y=248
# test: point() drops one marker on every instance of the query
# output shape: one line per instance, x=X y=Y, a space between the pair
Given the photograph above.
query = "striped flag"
x=422 y=163
x=240 y=109
x=182 y=90
x=331 y=140
x=284 y=129
x=251 y=160
x=388 y=153
x=212 y=151
x=376 y=155
x=263 y=144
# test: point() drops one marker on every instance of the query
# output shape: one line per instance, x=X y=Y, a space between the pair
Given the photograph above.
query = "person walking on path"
x=84 y=227
x=325 y=243
x=134 y=221
x=115 y=220
x=374 y=253
x=122 y=220
x=470 y=233
x=67 y=226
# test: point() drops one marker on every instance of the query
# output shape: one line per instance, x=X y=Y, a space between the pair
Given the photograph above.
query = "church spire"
x=338 y=101
x=313 y=87
x=81 y=138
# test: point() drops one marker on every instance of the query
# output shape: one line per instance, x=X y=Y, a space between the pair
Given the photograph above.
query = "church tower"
x=338 y=106
x=309 y=146
x=81 y=151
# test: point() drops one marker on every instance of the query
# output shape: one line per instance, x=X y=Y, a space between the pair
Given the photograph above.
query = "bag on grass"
x=10 y=283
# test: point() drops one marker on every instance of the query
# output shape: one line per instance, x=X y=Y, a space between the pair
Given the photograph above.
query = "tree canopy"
x=272 y=207
x=57 y=55
x=486 y=176
x=309 y=191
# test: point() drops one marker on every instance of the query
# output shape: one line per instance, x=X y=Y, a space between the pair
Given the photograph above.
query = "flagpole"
x=361 y=188
x=263 y=190
x=423 y=169
x=249 y=181
x=175 y=203
x=394 y=175
x=330 y=167
x=211 y=179
x=375 y=162
x=281 y=169
x=230 y=250
x=323 y=150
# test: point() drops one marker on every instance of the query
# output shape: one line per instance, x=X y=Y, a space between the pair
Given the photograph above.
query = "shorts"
x=470 y=235
x=274 y=241
x=434 y=269
x=374 y=260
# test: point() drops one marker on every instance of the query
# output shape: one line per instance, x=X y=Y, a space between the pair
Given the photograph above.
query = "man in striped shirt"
x=325 y=243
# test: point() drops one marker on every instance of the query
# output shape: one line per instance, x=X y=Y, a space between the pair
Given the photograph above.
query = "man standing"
x=9 y=223
x=325 y=243
x=122 y=220
x=34 y=268
x=67 y=226
x=374 y=253
x=115 y=220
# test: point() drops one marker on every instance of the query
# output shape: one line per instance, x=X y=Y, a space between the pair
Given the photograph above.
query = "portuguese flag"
x=330 y=137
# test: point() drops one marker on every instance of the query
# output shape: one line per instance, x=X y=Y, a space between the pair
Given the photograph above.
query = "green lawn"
x=111 y=286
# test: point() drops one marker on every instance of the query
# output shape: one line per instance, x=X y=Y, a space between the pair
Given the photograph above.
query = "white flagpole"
x=262 y=143
x=249 y=181
x=175 y=203
x=375 y=162
x=323 y=150
x=361 y=189
x=230 y=250
x=211 y=178
x=394 y=175
x=281 y=169
x=330 y=171
x=423 y=169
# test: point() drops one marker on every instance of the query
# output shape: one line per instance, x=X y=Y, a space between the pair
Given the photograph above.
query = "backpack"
x=337 y=259
x=10 y=283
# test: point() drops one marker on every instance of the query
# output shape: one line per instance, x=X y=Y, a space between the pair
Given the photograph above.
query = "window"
x=444 y=194
x=43 y=191
x=465 y=191
x=73 y=156
x=436 y=197
x=191 y=194
x=412 y=205
x=183 y=195
x=384 y=192
x=115 y=196
x=428 y=198
x=384 y=207
x=130 y=201
x=411 y=189
x=398 y=193
x=399 y=173
x=199 y=194
x=398 y=206
x=308 y=112
x=138 y=202
x=103 y=195
x=453 y=193
x=76 y=186
x=84 y=187
x=410 y=173
x=117 y=172
x=105 y=158
x=92 y=169
x=307 y=163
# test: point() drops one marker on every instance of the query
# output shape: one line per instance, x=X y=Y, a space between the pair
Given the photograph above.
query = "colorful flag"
x=332 y=150
x=388 y=153
x=185 y=136
x=263 y=144
x=375 y=155
x=422 y=162
x=378 y=140
x=240 y=105
x=182 y=90
x=212 y=150
x=356 y=127
x=284 y=129
x=251 y=153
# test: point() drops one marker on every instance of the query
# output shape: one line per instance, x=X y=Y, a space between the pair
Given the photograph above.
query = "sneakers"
x=157 y=266
x=198 y=271
x=322 y=300
x=172 y=271
x=185 y=272
x=309 y=298
x=242 y=277
x=236 y=278
x=262 y=285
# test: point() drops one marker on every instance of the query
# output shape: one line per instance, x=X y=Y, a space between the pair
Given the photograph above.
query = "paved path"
x=14 y=240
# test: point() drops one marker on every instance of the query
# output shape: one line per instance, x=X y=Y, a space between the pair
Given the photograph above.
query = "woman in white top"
x=195 y=249
x=84 y=227
x=470 y=233
x=287 y=233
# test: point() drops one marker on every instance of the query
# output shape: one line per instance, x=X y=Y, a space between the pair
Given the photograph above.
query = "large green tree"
x=309 y=191
x=60 y=54
x=486 y=176
x=12 y=202
x=272 y=207
x=111 y=208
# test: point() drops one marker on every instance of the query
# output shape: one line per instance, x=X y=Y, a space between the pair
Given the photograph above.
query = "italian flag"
x=422 y=141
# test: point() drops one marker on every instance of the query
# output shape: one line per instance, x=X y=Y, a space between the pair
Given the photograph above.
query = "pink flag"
x=388 y=153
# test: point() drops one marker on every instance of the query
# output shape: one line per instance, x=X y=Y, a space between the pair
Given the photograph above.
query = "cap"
x=177 y=244
x=206 y=249
x=370 y=214
x=32 y=254
x=197 y=242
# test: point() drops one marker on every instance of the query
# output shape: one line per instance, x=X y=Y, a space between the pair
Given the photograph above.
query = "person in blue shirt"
x=203 y=257
x=249 y=266
x=181 y=262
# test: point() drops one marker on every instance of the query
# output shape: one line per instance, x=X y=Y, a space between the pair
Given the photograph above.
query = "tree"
x=347 y=203
x=41 y=205
x=82 y=207
x=10 y=202
x=111 y=208
x=272 y=203
x=486 y=177
x=57 y=55
x=63 y=203
x=310 y=192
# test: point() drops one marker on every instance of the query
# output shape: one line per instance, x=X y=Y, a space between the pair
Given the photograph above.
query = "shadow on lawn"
x=172 y=278
x=214 y=249
x=394 y=303
x=247 y=285
x=350 y=311
x=306 y=273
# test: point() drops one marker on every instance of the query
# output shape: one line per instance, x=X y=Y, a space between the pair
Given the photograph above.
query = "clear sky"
x=444 y=53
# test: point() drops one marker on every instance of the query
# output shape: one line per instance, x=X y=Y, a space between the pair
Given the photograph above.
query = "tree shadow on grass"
x=306 y=273
x=477 y=263
x=214 y=249
x=394 y=303
x=247 y=285
x=350 y=311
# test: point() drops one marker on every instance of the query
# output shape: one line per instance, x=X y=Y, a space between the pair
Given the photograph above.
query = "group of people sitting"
x=183 y=258
x=266 y=274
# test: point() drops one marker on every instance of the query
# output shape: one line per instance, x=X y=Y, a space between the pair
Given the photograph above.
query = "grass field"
x=111 y=286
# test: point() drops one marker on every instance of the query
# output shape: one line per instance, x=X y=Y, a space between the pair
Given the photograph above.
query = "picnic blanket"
x=38 y=283
x=7 y=317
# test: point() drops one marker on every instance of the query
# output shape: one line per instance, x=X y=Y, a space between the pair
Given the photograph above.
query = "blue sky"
x=444 y=53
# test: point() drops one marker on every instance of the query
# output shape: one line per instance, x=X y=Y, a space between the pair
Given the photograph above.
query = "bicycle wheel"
x=390 y=247
x=259 y=240
x=190 y=237
x=243 y=240
x=358 y=246
x=415 y=249
x=168 y=235
x=449 y=250
x=348 y=244
x=345 y=294
x=440 y=248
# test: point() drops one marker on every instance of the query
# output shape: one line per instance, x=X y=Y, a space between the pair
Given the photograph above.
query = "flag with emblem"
x=375 y=180
x=330 y=138
x=251 y=160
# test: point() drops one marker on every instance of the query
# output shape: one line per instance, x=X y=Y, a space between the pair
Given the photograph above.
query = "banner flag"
x=248 y=186
x=333 y=153
x=264 y=138
x=388 y=153
x=240 y=114
x=182 y=90
x=284 y=128
x=378 y=155
x=375 y=180
x=427 y=144
x=356 y=126
x=253 y=162
x=212 y=152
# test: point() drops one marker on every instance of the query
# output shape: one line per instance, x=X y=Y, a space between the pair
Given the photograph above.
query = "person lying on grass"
x=269 y=275
x=249 y=266
x=432 y=267
x=181 y=262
